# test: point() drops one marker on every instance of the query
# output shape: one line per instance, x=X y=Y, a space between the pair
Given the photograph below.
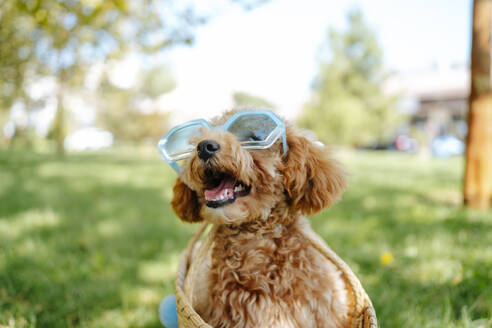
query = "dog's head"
x=227 y=184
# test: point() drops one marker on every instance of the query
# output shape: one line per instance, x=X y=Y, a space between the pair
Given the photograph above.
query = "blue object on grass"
x=167 y=312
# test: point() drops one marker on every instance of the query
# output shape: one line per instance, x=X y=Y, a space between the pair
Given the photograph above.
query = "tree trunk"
x=478 y=175
x=59 y=128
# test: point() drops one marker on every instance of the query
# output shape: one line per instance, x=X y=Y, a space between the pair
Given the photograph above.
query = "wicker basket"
x=362 y=314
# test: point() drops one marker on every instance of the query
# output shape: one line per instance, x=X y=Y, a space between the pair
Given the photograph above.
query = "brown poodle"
x=256 y=268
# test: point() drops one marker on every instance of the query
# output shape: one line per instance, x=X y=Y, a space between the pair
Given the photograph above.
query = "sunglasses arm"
x=284 y=143
x=175 y=166
x=160 y=149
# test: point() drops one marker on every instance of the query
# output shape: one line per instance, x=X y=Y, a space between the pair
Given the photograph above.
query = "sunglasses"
x=255 y=129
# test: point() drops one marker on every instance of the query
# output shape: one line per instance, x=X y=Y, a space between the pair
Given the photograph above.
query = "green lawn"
x=91 y=240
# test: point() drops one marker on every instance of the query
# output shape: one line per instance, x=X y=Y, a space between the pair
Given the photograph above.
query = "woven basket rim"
x=363 y=314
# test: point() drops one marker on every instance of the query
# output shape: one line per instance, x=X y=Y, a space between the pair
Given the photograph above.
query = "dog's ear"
x=185 y=202
x=312 y=179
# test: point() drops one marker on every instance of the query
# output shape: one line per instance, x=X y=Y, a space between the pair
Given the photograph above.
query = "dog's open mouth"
x=225 y=190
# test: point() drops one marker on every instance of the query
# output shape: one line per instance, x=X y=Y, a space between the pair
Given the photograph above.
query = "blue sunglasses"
x=255 y=129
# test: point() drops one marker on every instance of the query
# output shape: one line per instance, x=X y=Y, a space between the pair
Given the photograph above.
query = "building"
x=436 y=99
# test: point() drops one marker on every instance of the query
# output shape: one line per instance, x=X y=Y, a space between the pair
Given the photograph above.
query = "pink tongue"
x=227 y=183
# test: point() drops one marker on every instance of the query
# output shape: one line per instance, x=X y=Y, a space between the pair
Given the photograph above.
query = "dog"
x=256 y=268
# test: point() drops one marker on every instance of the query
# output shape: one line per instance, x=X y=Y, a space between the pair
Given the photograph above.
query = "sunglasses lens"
x=252 y=128
x=178 y=144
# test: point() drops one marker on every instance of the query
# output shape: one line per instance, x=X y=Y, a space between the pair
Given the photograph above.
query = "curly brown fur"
x=258 y=268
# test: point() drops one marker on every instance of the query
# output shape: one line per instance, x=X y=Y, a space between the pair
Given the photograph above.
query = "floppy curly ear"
x=312 y=179
x=185 y=202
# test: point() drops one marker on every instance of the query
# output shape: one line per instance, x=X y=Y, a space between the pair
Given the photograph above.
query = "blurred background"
x=87 y=88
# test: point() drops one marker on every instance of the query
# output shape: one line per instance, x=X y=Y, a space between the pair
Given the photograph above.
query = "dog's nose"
x=207 y=149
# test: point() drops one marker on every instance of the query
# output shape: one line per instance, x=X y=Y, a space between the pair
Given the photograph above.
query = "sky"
x=271 y=51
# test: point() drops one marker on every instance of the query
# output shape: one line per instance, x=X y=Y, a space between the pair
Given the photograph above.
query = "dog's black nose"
x=207 y=149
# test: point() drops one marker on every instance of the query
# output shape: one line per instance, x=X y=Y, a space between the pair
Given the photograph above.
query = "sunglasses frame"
x=278 y=132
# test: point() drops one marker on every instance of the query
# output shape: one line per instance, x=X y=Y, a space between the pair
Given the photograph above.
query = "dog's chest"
x=274 y=280
x=262 y=264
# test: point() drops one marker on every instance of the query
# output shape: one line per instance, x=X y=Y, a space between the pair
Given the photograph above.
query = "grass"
x=91 y=241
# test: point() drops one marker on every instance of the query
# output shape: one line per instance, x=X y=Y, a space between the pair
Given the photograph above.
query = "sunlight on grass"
x=31 y=248
x=159 y=271
x=27 y=221
x=438 y=271
x=138 y=317
x=109 y=228
x=142 y=296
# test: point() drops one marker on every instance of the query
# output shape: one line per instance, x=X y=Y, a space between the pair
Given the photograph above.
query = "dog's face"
x=226 y=184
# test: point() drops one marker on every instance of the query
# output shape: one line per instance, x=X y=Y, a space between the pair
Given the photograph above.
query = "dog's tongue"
x=226 y=183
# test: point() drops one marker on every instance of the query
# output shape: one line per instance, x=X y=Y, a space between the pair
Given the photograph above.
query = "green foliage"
x=121 y=115
x=14 y=54
x=91 y=241
x=156 y=81
x=348 y=106
x=248 y=100
x=74 y=33
x=132 y=126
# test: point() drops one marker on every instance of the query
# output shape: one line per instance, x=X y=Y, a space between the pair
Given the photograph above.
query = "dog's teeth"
x=236 y=188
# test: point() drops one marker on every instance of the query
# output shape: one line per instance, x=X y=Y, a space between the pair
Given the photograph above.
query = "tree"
x=246 y=99
x=348 y=106
x=122 y=115
x=67 y=36
x=478 y=174
x=14 y=55
x=63 y=38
